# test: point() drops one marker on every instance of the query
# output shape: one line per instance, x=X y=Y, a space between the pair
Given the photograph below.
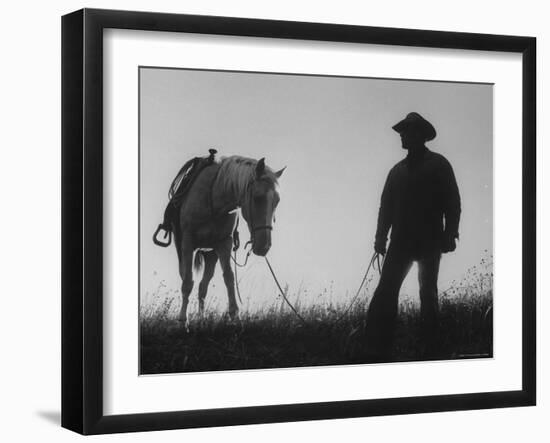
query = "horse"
x=205 y=223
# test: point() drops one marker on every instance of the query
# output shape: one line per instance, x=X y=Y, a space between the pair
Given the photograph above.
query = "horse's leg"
x=210 y=260
x=186 y=274
x=224 y=254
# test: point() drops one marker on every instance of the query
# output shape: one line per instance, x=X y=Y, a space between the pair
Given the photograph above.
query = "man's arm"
x=451 y=204
x=384 y=216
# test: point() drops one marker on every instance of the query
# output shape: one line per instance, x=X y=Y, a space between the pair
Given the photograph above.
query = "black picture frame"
x=82 y=218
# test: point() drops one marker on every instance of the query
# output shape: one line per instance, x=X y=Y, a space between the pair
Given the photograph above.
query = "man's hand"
x=380 y=247
x=449 y=244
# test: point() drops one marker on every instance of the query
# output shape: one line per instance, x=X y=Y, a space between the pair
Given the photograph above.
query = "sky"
x=334 y=136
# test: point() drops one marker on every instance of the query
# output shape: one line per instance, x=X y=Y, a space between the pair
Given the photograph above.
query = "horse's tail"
x=198 y=262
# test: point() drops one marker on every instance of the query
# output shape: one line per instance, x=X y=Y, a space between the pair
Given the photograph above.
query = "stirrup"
x=167 y=233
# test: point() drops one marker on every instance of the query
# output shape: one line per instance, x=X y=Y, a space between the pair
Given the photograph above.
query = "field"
x=276 y=338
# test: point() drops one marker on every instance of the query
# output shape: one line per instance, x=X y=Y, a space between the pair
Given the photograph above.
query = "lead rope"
x=237 y=277
x=237 y=265
x=236 y=245
x=283 y=293
x=374 y=259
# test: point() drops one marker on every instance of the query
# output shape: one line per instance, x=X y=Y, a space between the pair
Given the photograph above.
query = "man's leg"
x=428 y=271
x=383 y=306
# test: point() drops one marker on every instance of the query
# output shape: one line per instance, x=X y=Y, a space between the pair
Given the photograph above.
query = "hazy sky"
x=334 y=135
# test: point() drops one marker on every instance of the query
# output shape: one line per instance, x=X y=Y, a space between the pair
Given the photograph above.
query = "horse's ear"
x=279 y=173
x=260 y=167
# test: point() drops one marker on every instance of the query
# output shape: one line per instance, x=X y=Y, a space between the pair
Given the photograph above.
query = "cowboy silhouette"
x=421 y=204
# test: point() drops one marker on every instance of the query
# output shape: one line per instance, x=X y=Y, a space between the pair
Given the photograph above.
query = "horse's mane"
x=237 y=172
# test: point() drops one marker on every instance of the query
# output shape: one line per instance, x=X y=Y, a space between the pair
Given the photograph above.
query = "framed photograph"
x=269 y=221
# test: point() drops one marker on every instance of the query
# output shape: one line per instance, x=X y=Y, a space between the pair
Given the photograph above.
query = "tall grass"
x=274 y=336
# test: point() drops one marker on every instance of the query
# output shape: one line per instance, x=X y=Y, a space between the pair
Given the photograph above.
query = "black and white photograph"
x=275 y=221
x=293 y=220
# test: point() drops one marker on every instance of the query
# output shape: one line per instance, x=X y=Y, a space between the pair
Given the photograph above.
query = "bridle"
x=250 y=218
x=248 y=215
x=259 y=228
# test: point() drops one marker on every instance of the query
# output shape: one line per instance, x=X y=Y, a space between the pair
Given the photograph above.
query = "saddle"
x=178 y=189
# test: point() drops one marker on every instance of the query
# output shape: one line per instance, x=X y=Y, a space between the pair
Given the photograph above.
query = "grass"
x=276 y=338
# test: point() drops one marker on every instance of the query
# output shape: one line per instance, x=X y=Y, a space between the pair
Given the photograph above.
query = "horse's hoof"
x=184 y=325
x=230 y=317
x=176 y=328
x=233 y=317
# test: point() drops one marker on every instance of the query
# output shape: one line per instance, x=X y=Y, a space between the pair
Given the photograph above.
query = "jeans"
x=382 y=311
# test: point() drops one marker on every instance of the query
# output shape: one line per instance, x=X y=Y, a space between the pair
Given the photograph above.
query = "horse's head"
x=258 y=209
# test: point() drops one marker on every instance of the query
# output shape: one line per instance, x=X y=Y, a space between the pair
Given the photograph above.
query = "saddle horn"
x=212 y=156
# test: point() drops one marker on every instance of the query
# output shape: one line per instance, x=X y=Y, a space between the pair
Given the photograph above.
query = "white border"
x=125 y=392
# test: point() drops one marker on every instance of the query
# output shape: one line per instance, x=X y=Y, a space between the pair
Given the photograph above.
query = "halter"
x=253 y=228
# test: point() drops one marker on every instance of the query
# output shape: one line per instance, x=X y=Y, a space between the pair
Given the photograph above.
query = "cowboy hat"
x=416 y=122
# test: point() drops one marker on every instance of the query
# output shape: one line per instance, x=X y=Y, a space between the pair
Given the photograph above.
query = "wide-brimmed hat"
x=416 y=122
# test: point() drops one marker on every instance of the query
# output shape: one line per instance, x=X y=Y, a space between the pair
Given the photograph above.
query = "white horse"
x=204 y=224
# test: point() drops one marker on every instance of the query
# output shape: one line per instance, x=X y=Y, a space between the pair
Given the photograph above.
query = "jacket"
x=420 y=203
